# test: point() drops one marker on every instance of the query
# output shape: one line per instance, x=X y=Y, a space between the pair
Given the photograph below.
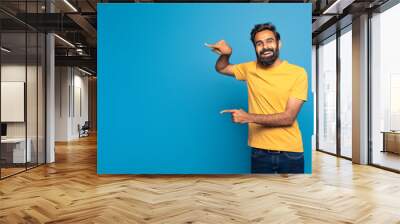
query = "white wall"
x=71 y=92
x=79 y=117
x=15 y=72
x=62 y=81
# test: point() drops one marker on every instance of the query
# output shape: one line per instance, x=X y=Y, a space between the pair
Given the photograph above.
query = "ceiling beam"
x=86 y=26
x=83 y=61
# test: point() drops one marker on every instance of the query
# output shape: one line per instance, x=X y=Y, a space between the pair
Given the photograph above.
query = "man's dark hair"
x=264 y=26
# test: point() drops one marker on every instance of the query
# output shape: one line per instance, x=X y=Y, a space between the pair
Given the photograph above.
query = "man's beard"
x=267 y=61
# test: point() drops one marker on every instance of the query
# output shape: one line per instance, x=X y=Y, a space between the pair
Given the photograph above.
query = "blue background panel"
x=159 y=96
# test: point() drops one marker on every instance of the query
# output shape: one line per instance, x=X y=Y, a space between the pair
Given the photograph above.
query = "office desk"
x=391 y=141
x=13 y=150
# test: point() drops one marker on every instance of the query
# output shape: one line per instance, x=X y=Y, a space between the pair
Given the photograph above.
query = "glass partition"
x=14 y=151
x=22 y=77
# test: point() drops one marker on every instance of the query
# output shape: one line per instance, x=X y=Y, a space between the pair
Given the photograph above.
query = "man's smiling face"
x=267 y=47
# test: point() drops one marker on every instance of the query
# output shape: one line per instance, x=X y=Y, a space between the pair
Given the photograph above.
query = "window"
x=385 y=89
x=327 y=95
x=346 y=92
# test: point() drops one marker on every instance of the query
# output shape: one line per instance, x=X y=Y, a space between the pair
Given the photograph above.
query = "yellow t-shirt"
x=268 y=93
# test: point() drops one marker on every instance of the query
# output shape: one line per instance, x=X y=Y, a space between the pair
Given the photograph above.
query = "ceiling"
x=76 y=22
x=77 y=25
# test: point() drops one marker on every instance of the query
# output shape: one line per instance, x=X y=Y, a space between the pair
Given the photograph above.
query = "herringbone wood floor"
x=70 y=191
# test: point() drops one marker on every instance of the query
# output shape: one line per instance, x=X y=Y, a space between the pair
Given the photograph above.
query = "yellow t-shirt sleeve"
x=240 y=71
x=300 y=88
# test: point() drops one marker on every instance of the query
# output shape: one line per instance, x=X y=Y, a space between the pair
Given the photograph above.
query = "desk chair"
x=84 y=130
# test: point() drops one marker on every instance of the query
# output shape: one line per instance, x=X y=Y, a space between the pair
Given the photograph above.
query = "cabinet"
x=391 y=141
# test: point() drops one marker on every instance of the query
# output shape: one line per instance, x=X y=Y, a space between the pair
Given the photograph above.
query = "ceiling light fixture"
x=70 y=5
x=84 y=71
x=333 y=6
x=5 y=50
x=64 y=40
x=337 y=7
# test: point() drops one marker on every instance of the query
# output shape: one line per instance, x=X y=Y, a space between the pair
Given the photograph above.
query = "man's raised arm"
x=224 y=50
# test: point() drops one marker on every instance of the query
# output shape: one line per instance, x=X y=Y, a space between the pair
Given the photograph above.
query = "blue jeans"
x=263 y=161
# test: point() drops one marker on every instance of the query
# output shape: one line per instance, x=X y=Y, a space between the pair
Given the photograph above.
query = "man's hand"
x=221 y=48
x=239 y=116
x=286 y=118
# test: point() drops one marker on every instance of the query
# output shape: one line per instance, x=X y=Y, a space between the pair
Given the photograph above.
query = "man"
x=276 y=92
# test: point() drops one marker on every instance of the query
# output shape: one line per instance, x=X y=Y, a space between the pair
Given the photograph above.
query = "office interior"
x=355 y=68
x=49 y=80
x=48 y=57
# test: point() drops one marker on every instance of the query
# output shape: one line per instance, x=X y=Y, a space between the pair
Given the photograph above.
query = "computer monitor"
x=3 y=129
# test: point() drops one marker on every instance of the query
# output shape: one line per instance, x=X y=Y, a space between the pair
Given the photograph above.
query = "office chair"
x=84 y=130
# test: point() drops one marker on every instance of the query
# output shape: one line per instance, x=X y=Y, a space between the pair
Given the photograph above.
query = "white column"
x=50 y=100
x=50 y=92
x=360 y=90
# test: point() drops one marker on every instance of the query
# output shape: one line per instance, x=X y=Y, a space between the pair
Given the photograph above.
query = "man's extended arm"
x=285 y=118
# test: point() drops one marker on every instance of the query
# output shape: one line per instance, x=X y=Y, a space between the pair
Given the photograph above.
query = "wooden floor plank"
x=70 y=191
